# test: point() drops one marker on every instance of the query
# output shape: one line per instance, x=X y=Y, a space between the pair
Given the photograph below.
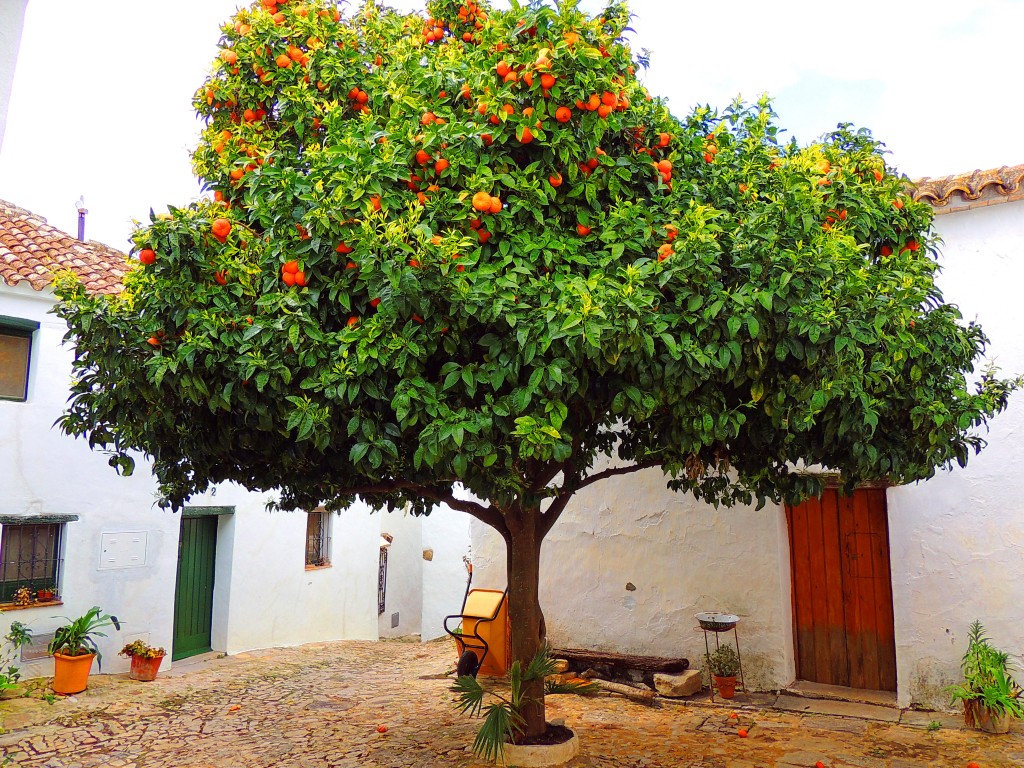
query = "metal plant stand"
x=716 y=624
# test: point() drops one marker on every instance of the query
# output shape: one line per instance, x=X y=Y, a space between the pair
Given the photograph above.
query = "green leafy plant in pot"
x=723 y=666
x=74 y=647
x=503 y=720
x=145 y=660
x=989 y=695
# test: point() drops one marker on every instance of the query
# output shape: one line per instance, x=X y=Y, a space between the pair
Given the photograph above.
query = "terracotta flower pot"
x=144 y=669
x=44 y=595
x=71 y=673
x=726 y=686
x=978 y=715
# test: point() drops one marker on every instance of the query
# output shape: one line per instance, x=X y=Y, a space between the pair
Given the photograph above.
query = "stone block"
x=676 y=686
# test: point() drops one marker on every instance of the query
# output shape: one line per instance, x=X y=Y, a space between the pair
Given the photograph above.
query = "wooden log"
x=643 y=695
x=628 y=661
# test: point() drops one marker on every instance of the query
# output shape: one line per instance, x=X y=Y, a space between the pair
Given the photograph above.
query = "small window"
x=15 y=355
x=318 y=539
x=382 y=581
x=30 y=563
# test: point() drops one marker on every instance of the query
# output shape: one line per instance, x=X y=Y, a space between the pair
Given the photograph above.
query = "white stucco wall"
x=957 y=541
x=446 y=532
x=680 y=555
x=404 y=594
x=44 y=472
x=263 y=594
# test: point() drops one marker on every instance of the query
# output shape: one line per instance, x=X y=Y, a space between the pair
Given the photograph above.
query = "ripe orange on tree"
x=482 y=201
x=221 y=228
x=555 y=180
x=147 y=256
x=563 y=114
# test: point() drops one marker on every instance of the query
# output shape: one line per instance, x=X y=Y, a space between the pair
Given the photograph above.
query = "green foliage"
x=77 y=637
x=503 y=719
x=17 y=636
x=759 y=305
x=724 y=662
x=986 y=672
x=142 y=650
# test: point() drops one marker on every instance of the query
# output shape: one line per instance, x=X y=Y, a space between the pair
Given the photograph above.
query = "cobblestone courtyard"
x=320 y=706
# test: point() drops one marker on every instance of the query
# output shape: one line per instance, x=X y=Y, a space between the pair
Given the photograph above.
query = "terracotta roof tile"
x=31 y=250
x=968 y=190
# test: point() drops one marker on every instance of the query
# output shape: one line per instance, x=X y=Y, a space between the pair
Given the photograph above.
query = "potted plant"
x=74 y=648
x=990 y=696
x=723 y=665
x=500 y=736
x=46 y=594
x=145 y=660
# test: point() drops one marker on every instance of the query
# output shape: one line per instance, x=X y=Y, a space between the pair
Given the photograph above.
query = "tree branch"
x=611 y=472
x=554 y=512
x=485 y=514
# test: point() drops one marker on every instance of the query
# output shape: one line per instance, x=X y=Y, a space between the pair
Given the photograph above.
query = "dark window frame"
x=34 y=570
x=382 y=581
x=19 y=328
x=318 y=539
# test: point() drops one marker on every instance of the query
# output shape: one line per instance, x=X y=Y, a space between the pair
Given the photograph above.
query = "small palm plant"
x=76 y=638
x=503 y=719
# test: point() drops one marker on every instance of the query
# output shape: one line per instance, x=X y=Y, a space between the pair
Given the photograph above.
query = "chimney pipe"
x=81 y=217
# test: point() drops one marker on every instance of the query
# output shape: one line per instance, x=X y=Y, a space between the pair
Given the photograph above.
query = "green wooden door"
x=193 y=593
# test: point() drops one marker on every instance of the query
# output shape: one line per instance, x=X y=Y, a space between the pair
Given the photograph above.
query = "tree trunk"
x=525 y=616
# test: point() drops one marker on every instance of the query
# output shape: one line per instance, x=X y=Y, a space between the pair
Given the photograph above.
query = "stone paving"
x=320 y=706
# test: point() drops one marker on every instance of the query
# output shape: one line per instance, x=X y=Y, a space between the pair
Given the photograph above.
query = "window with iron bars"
x=382 y=580
x=30 y=562
x=318 y=539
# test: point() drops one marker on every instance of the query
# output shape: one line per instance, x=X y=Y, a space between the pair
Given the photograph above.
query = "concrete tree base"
x=540 y=755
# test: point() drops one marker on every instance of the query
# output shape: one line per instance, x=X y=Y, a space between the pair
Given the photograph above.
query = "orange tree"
x=472 y=250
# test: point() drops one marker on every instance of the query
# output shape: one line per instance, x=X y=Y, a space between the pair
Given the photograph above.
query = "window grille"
x=30 y=559
x=318 y=539
x=382 y=580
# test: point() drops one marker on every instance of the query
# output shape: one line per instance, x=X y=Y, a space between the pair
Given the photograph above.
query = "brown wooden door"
x=842 y=590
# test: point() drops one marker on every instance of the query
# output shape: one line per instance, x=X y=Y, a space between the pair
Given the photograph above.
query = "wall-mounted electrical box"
x=126 y=549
